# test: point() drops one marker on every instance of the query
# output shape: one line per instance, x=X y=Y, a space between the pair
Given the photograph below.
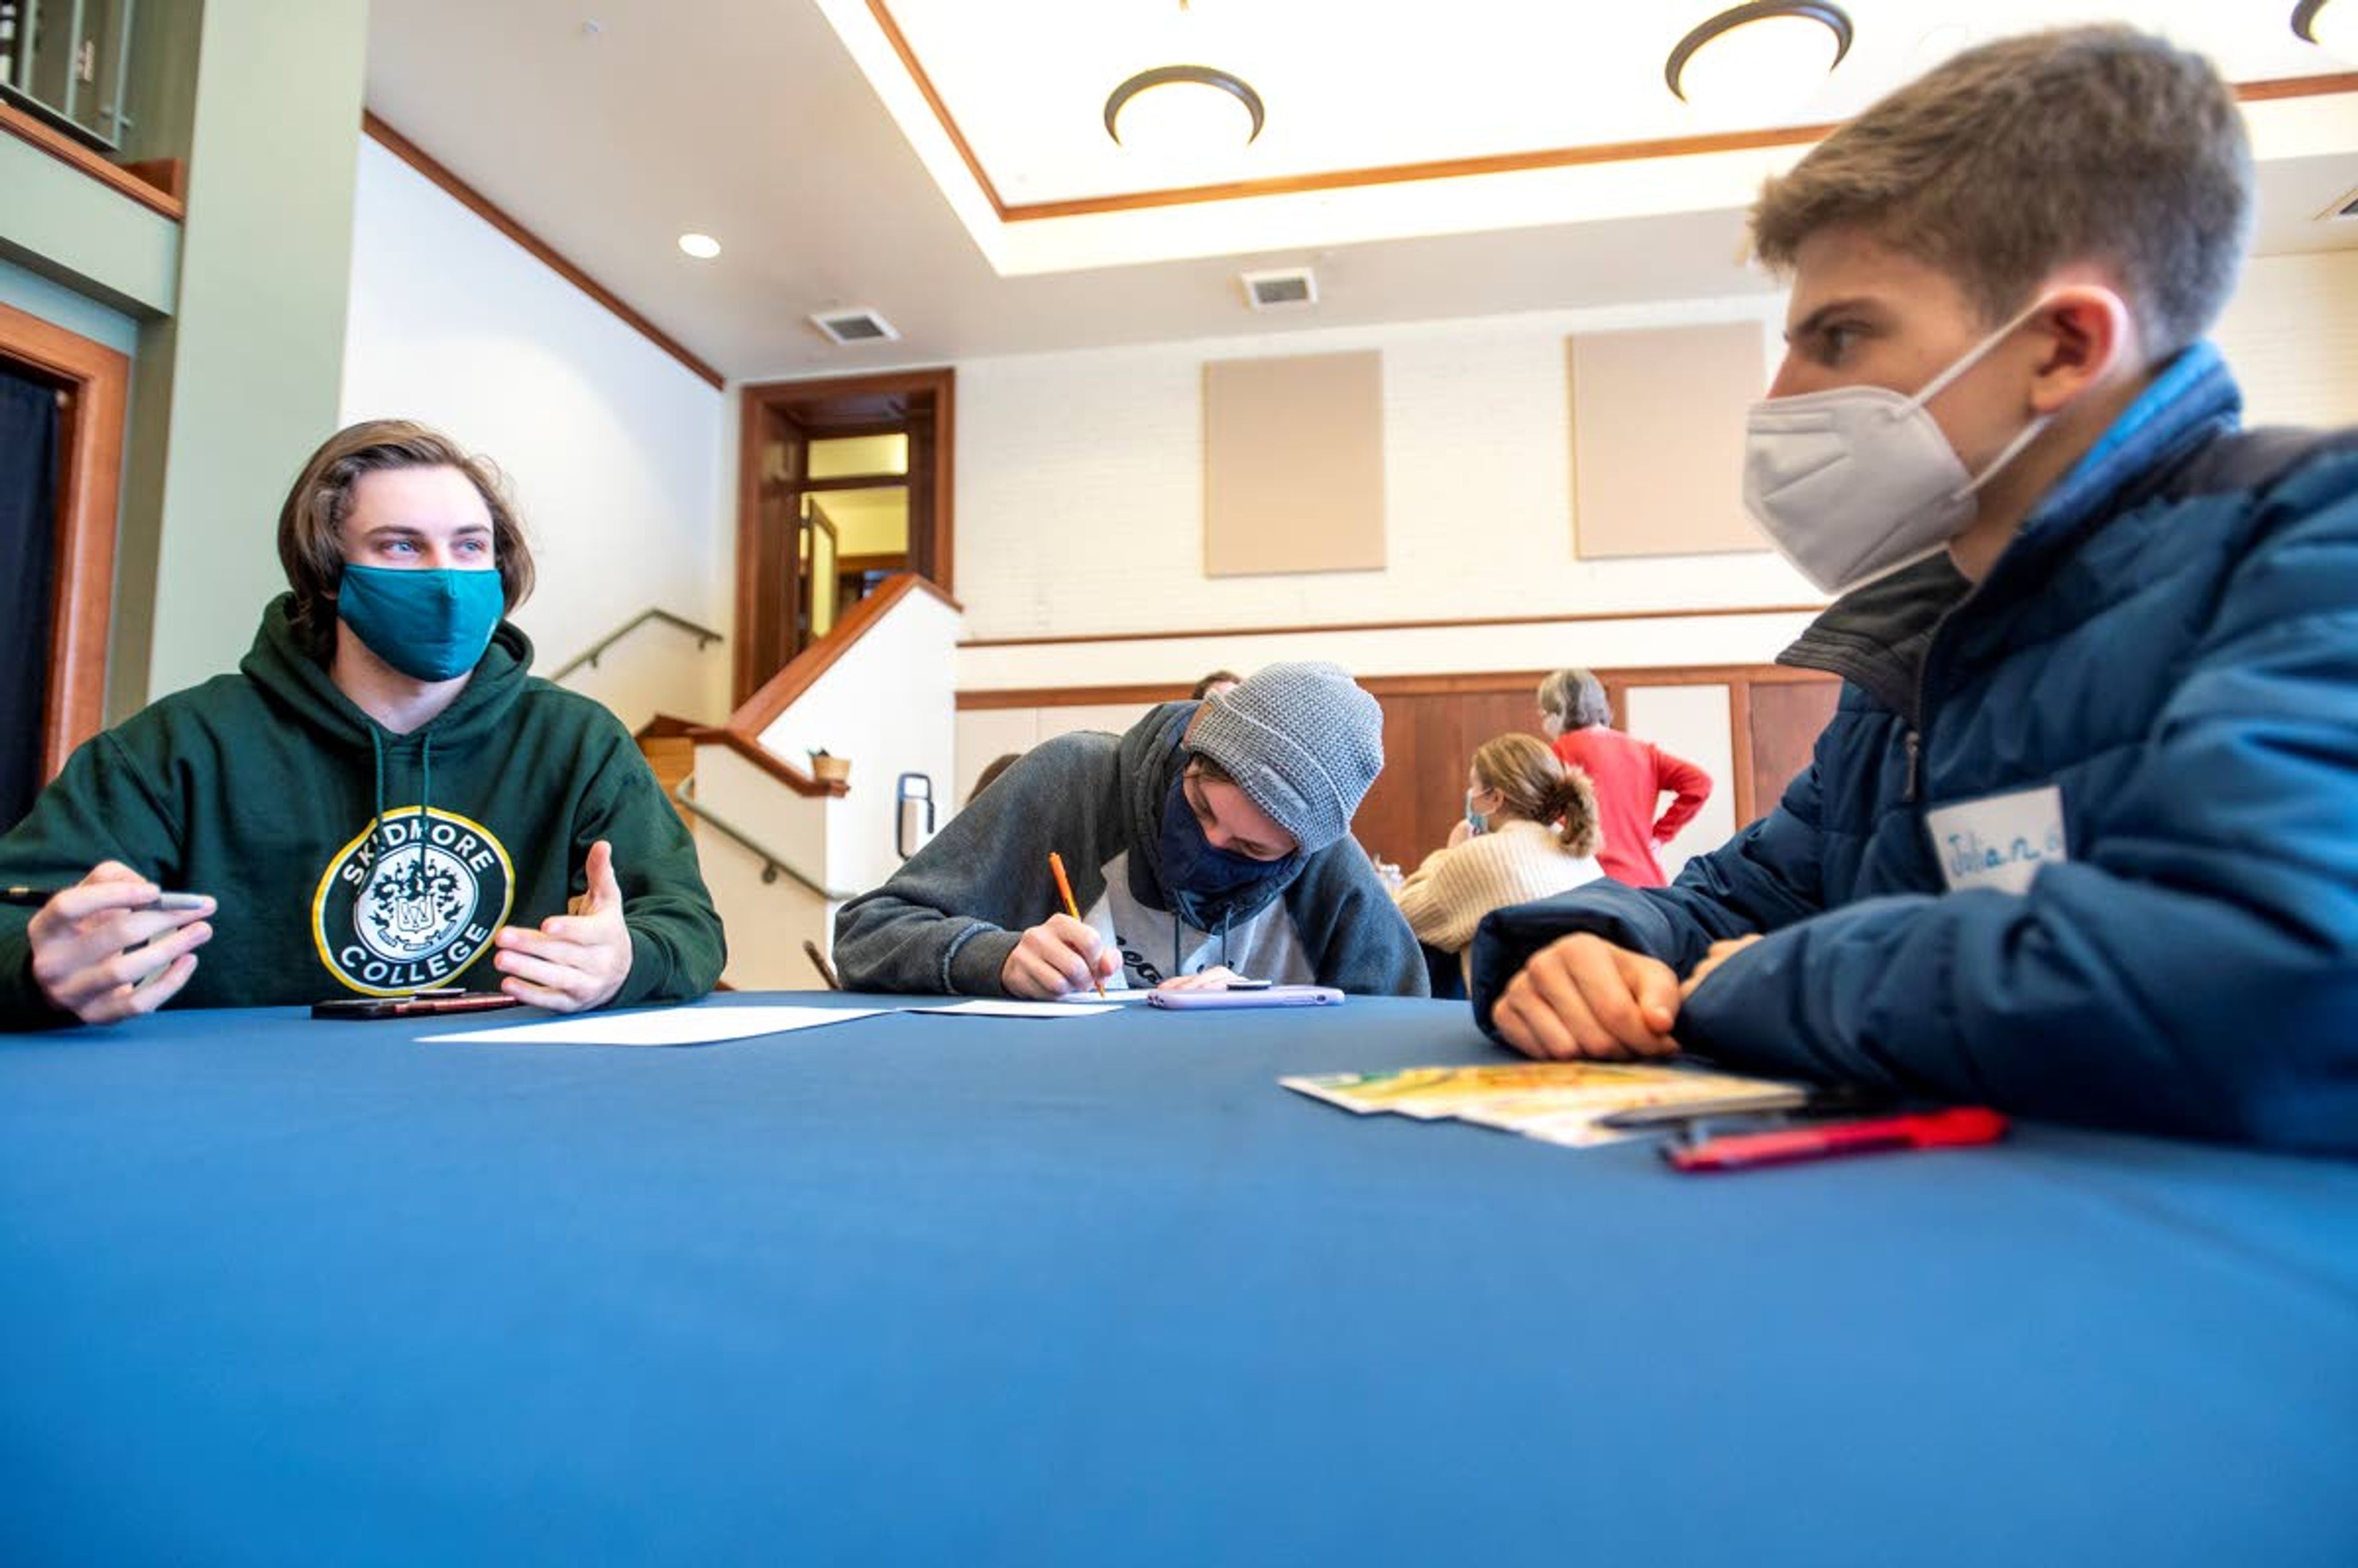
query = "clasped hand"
x=1583 y=997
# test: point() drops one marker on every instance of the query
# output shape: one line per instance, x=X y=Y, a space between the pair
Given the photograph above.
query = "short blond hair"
x=2096 y=143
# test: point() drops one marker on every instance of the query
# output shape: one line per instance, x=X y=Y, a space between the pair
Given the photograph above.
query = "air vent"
x=2344 y=209
x=861 y=326
x=1283 y=289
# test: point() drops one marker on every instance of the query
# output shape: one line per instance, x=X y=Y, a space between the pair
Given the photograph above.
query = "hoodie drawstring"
x=376 y=817
x=425 y=794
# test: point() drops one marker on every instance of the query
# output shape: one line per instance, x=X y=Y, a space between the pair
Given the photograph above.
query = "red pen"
x=1932 y=1129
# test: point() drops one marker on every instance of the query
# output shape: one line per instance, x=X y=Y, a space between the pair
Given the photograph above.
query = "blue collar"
x=2194 y=397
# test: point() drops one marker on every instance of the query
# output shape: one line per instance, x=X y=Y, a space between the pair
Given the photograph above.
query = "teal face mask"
x=430 y=624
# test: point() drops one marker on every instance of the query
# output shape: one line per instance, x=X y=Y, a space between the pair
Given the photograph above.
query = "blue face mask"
x=1190 y=861
x=430 y=624
x=1476 y=822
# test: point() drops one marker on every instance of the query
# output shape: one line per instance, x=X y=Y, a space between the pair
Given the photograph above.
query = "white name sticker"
x=1998 y=841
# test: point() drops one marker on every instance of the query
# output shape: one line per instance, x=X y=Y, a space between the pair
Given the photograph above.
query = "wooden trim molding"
x=1420 y=171
x=137 y=181
x=482 y=206
x=777 y=767
x=1460 y=684
x=1573 y=618
x=96 y=383
x=761 y=710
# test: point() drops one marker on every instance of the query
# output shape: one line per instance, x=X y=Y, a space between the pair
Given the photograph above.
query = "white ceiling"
x=749 y=120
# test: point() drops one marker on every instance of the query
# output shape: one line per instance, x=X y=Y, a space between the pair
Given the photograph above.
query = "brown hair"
x=311 y=524
x=1537 y=787
x=2096 y=143
x=1577 y=698
x=992 y=770
x=1215 y=679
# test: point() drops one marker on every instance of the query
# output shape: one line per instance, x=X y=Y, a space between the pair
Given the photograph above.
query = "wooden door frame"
x=95 y=384
x=759 y=399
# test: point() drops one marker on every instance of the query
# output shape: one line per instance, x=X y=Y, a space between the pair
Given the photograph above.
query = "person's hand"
x=1719 y=954
x=1056 y=958
x=1216 y=979
x=575 y=961
x=88 y=952
x=1581 y=996
x=1461 y=832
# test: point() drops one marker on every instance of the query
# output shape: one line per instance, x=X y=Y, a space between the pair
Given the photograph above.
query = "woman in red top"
x=1630 y=775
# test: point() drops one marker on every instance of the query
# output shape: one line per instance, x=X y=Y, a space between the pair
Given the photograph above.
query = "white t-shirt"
x=1265 y=948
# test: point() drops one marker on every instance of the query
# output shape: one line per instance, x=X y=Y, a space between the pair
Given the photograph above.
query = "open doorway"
x=61 y=473
x=842 y=483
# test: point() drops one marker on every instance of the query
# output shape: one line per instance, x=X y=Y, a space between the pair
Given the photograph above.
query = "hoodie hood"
x=297 y=682
x=1153 y=752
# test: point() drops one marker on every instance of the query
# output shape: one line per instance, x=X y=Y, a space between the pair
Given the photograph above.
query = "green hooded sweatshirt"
x=303 y=817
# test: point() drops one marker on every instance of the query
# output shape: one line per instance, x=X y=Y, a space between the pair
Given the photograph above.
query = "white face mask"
x=1857 y=482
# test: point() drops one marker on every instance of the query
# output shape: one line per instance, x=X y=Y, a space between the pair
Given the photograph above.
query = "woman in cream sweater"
x=1530 y=832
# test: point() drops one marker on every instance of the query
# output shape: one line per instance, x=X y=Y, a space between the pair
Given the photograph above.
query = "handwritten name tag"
x=1998 y=841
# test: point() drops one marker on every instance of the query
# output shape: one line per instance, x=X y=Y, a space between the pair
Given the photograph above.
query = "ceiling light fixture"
x=2332 y=27
x=1762 y=55
x=703 y=247
x=1204 y=114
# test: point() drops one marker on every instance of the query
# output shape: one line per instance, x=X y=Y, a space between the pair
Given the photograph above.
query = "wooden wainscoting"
x=1434 y=723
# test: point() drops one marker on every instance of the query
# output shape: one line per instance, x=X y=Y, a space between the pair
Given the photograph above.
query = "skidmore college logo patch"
x=399 y=909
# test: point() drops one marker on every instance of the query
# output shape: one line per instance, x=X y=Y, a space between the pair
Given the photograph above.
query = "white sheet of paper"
x=666 y=1026
x=985 y=1007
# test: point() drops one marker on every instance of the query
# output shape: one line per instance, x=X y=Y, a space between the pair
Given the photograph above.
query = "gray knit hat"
x=1302 y=741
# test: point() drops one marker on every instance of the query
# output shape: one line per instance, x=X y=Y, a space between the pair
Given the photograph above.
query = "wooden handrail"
x=769 y=762
x=129 y=181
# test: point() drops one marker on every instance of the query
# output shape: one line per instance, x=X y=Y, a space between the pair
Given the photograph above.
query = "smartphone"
x=1264 y=996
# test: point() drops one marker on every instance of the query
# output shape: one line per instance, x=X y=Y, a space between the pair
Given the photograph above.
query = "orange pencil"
x=1056 y=864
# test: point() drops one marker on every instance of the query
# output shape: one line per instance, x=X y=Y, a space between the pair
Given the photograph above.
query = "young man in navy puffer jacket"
x=2081 y=840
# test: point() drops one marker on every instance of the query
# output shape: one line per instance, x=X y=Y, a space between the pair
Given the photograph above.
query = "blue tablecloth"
x=959 y=1290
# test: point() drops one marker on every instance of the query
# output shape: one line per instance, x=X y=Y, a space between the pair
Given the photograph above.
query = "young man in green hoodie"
x=380 y=801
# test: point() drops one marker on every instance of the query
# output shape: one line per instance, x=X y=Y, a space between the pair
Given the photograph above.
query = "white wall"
x=614 y=449
x=2291 y=335
x=886 y=704
x=1079 y=512
x=1080 y=499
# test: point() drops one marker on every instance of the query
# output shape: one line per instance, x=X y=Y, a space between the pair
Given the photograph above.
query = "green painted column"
x=238 y=385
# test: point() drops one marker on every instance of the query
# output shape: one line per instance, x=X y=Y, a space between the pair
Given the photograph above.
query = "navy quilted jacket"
x=2171 y=643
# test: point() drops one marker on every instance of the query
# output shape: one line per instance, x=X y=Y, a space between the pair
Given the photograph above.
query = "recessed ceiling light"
x=1759 y=58
x=2331 y=24
x=703 y=247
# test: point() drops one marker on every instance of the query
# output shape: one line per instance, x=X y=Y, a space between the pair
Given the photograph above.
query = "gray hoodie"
x=947 y=921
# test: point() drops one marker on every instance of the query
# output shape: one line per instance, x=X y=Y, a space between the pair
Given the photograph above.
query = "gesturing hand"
x=577 y=960
x=87 y=956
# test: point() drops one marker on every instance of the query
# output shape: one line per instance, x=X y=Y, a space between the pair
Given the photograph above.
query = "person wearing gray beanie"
x=1211 y=841
x=1304 y=742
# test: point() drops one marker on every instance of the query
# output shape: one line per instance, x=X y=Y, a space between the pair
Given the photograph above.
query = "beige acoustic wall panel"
x=1658 y=439
x=1293 y=464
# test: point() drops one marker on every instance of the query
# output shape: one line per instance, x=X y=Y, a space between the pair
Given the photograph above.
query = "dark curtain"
x=29 y=549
